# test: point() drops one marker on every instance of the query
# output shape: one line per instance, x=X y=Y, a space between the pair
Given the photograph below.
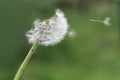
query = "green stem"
x=26 y=60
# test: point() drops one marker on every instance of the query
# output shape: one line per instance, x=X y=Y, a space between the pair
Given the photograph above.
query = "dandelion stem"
x=26 y=60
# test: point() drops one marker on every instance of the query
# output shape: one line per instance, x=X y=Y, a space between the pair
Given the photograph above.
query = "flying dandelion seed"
x=72 y=33
x=106 y=21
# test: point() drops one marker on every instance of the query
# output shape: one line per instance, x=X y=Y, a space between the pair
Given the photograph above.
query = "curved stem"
x=26 y=60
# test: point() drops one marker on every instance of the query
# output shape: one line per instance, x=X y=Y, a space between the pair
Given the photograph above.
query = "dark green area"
x=94 y=53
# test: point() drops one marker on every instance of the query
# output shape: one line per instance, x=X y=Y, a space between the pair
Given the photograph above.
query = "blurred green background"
x=93 y=54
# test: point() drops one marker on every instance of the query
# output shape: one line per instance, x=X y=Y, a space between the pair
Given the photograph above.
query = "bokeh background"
x=93 y=54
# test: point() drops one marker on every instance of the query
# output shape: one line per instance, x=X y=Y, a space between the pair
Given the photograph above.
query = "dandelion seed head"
x=49 y=32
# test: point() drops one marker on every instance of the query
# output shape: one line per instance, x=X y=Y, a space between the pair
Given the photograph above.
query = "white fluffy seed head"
x=49 y=32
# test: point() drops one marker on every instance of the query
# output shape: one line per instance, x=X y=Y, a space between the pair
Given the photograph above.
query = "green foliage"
x=92 y=55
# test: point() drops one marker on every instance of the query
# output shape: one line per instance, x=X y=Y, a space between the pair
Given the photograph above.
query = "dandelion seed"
x=49 y=32
x=106 y=21
x=72 y=33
